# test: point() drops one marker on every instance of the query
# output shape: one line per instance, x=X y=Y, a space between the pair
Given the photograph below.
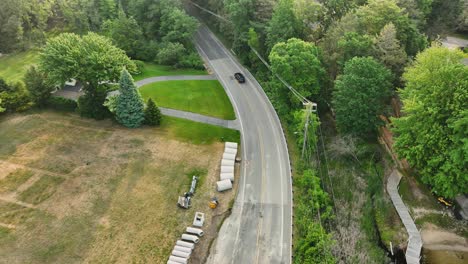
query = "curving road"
x=259 y=229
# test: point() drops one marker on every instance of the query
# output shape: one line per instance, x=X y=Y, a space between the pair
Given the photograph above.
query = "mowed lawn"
x=154 y=70
x=76 y=190
x=201 y=97
x=14 y=66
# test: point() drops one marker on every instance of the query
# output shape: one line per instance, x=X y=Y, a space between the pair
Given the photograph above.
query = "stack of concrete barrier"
x=184 y=247
x=227 y=167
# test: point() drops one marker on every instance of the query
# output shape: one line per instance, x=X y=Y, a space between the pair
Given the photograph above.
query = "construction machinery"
x=185 y=201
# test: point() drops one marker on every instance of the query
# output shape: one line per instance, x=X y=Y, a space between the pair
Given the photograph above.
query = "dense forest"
x=352 y=58
x=120 y=33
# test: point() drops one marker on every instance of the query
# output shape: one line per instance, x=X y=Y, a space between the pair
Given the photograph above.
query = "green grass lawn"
x=154 y=70
x=201 y=97
x=14 y=66
x=197 y=133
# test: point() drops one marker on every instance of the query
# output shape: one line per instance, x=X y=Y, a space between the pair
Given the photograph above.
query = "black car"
x=239 y=77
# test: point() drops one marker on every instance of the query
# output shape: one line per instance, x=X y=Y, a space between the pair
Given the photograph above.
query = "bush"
x=192 y=60
x=62 y=104
x=171 y=53
x=139 y=65
x=38 y=86
x=92 y=104
x=14 y=97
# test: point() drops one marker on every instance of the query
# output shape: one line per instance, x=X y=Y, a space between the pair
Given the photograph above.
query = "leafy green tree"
x=359 y=96
x=125 y=33
x=388 y=50
x=432 y=133
x=312 y=16
x=171 y=53
x=353 y=45
x=152 y=114
x=378 y=13
x=298 y=64
x=130 y=106
x=11 y=30
x=241 y=13
x=283 y=25
x=38 y=86
x=177 y=26
x=91 y=59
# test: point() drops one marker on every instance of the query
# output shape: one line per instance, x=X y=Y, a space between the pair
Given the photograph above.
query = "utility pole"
x=309 y=108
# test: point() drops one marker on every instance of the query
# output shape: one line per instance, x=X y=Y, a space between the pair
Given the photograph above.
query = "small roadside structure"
x=199 y=219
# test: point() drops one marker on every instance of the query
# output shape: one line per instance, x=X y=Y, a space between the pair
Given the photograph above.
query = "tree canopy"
x=298 y=63
x=91 y=59
x=359 y=96
x=432 y=133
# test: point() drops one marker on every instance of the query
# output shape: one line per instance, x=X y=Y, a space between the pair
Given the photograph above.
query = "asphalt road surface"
x=259 y=229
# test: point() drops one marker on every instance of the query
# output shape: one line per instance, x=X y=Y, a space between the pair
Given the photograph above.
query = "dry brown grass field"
x=75 y=190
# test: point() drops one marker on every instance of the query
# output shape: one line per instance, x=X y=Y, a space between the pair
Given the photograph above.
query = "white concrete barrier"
x=172 y=262
x=178 y=259
x=224 y=185
x=191 y=238
x=226 y=162
x=180 y=254
x=230 y=151
x=232 y=145
x=196 y=231
x=227 y=169
x=183 y=249
x=227 y=176
x=229 y=156
x=185 y=244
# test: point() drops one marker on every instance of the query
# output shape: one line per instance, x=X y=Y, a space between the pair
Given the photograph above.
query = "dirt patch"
x=116 y=201
x=434 y=237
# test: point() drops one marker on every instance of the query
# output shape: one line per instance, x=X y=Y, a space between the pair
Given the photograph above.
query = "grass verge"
x=201 y=97
x=154 y=70
x=197 y=133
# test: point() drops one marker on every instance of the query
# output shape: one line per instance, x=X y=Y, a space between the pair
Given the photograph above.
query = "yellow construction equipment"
x=213 y=203
x=447 y=203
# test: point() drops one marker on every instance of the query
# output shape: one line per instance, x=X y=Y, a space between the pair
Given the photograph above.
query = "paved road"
x=259 y=229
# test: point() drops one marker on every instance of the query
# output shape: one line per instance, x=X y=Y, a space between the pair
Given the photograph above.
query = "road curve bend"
x=259 y=229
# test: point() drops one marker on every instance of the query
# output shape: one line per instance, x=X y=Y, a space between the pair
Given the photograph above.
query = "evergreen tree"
x=130 y=105
x=152 y=114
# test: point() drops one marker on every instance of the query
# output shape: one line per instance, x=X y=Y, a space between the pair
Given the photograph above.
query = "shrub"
x=192 y=60
x=111 y=103
x=37 y=85
x=14 y=97
x=139 y=65
x=62 y=104
x=92 y=104
x=152 y=114
x=171 y=53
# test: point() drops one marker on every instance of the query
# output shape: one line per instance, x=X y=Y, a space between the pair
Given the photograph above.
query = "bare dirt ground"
x=100 y=193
